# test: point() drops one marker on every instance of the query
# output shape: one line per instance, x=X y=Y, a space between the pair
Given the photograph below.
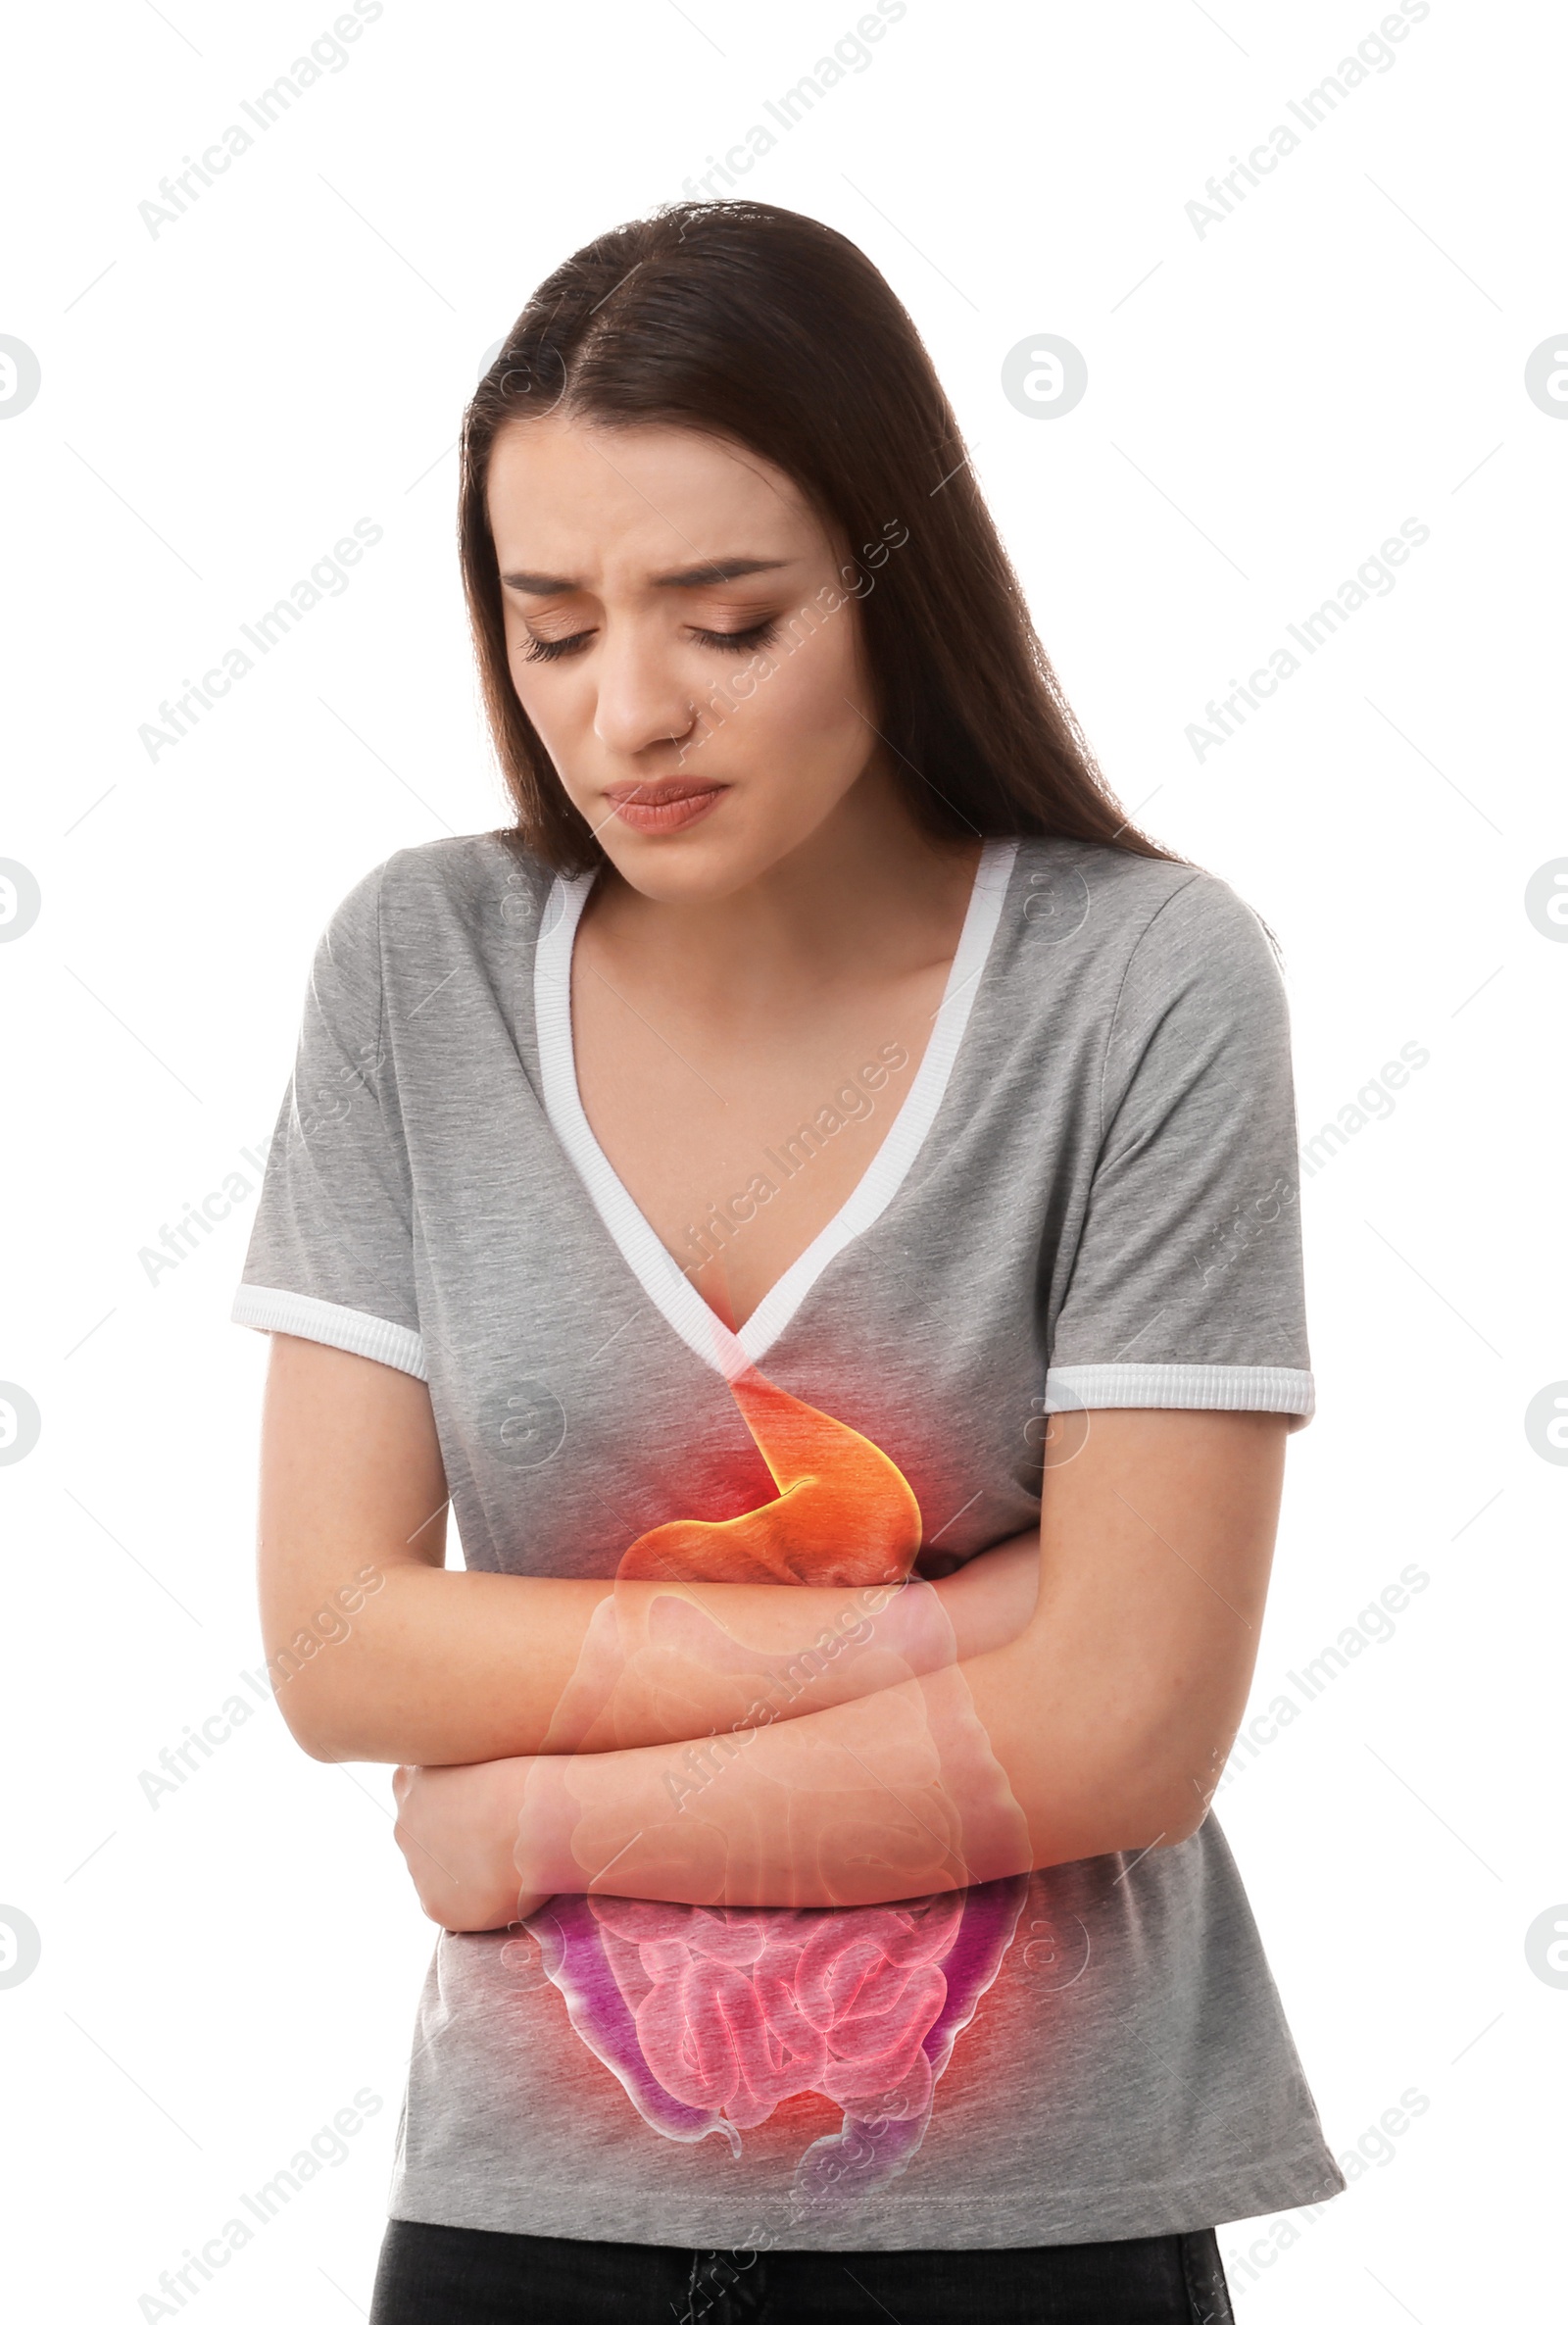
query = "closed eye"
x=551 y=649
x=723 y=641
x=740 y=641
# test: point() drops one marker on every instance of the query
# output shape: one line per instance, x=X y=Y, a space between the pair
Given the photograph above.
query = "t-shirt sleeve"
x=1186 y=1286
x=331 y=1248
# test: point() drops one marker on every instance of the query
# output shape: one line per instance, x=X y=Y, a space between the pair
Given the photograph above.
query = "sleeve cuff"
x=1188 y=1388
x=268 y=1310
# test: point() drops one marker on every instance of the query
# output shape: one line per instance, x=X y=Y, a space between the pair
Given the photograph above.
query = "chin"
x=689 y=871
x=724 y=851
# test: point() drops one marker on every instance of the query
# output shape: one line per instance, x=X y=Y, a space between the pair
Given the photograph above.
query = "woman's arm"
x=379 y=1652
x=1103 y=1726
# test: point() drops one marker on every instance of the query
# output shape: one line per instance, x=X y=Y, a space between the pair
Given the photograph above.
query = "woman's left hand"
x=458 y=1830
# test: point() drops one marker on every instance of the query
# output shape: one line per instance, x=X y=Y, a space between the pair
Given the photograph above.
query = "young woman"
x=817 y=1199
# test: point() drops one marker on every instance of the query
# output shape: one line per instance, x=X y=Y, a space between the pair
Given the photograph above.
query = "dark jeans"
x=474 y=2276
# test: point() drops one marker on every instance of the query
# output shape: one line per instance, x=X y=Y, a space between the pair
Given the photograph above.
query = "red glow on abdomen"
x=844 y=1515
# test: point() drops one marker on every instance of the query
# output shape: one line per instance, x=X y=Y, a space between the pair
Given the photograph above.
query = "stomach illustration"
x=710 y=2017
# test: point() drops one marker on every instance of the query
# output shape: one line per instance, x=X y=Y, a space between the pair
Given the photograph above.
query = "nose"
x=642 y=699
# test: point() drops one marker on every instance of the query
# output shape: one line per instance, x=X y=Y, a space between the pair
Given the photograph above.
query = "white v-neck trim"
x=674 y=1296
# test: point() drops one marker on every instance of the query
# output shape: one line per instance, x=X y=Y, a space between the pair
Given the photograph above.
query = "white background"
x=1267 y=401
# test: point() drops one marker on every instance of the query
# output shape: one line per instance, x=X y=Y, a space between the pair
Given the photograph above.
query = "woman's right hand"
x=458 y=1830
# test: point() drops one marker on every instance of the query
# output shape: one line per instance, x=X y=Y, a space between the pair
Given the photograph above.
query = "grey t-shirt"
x=1087 y=1197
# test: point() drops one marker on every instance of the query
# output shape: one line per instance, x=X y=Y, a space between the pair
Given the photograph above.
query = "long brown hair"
x=767 y=328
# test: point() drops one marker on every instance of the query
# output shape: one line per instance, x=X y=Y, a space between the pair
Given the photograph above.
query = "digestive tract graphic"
x=710 y=2017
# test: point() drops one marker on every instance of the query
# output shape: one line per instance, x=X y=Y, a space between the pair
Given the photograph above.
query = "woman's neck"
x=869 y=895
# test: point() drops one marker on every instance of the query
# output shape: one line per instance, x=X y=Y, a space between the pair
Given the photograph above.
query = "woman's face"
x=684 y=635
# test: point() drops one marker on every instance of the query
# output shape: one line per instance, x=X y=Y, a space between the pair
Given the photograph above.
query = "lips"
x=664 y=806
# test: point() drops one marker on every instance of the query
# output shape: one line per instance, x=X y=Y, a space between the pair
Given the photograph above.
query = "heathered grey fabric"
x=1107 y=1182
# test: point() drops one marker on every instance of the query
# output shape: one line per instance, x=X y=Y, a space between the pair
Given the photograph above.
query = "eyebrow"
x=727 y=568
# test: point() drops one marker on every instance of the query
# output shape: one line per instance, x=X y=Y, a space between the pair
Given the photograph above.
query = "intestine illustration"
x=710 y=2017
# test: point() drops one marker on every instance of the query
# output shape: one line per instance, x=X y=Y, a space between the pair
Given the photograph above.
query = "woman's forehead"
x=566 y=496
